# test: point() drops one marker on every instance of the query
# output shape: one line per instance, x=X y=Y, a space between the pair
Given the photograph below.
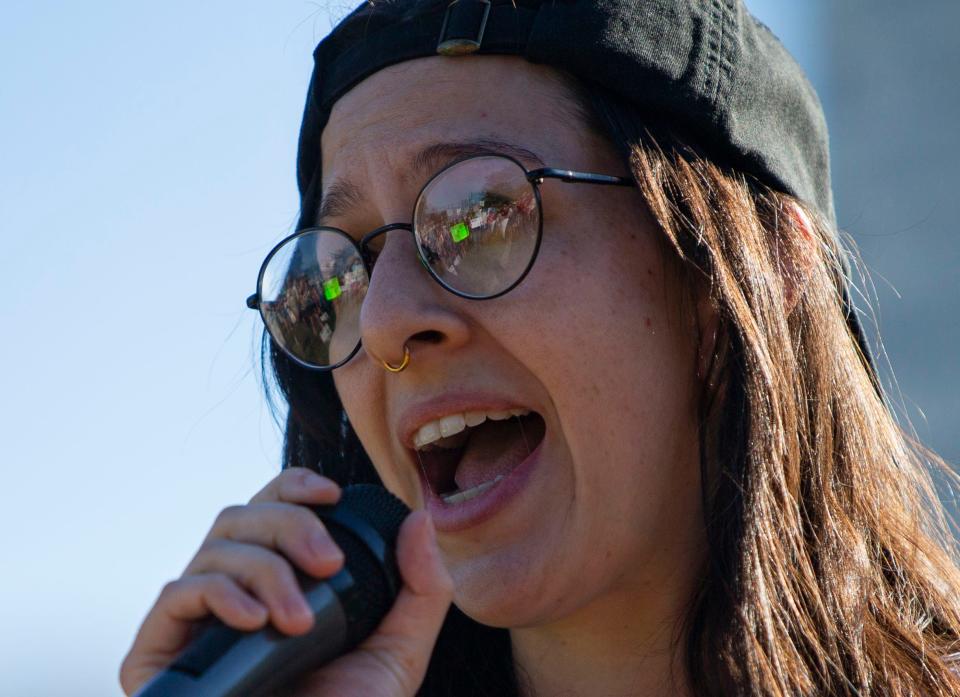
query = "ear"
x=796 y=264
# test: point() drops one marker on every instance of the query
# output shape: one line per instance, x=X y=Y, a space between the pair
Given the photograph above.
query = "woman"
x=642 y=433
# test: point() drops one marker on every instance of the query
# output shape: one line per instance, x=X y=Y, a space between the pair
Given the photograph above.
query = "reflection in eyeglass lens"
x=315 y=292
x=477 y=225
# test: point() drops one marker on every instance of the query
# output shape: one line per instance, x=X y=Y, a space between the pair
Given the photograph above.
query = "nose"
x=406 y=309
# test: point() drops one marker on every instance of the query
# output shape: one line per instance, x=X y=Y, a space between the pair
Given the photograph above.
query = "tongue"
x=494 y=447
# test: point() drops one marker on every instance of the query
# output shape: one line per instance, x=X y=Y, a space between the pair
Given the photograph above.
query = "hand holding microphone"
x=243 y=574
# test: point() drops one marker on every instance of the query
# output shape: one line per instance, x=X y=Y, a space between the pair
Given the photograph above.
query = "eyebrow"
x=344 y=195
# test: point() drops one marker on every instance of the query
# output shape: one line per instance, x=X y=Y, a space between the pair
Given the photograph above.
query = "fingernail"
x=316 y=481
x=296 y=606
x=251 y=607
x=322 y=546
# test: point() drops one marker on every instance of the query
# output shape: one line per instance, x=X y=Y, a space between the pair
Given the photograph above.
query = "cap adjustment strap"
x=463 y=26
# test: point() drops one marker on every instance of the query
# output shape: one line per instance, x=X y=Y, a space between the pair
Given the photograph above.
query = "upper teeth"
x=455 y=423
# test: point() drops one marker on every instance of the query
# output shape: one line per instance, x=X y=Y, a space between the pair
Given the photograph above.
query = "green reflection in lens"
x=331 y=289
x=459 y=232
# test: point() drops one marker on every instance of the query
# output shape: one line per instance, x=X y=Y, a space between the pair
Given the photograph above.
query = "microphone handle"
x=225 y=662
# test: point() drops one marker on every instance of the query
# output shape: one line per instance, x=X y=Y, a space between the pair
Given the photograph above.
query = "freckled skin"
x=612 y=523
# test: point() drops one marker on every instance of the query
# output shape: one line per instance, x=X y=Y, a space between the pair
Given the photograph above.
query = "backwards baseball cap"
x=704 y=68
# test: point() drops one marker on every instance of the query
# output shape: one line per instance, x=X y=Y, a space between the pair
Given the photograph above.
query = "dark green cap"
x=704 y=68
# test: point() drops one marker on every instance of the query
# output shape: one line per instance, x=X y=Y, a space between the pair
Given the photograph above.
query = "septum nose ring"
x=403 y=363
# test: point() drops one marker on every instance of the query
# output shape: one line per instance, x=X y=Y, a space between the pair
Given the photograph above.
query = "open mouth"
x=464 y=455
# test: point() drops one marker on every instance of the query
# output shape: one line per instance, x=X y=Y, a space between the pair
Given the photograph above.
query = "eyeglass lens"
x=477 y=228
x=477 y=225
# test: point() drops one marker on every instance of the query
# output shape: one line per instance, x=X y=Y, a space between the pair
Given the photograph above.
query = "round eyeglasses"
x=477 y=225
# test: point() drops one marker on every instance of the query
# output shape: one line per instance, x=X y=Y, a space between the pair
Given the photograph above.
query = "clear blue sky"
x=148 y=166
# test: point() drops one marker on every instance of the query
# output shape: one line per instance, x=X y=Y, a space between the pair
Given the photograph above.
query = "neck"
x=615 y=647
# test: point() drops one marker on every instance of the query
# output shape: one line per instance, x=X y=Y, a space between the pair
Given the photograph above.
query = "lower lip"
x=466 y=514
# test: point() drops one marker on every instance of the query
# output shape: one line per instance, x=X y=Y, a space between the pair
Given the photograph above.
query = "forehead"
x=390 y=118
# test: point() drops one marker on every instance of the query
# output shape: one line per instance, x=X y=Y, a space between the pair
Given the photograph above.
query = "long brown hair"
x=829 y=567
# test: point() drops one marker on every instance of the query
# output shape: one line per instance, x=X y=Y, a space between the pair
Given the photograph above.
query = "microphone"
x=225 y=662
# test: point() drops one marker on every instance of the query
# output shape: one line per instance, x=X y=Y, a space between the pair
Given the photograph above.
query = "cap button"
x=463 y=25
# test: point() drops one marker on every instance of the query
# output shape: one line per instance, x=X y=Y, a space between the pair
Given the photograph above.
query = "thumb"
x=392 y=661
x=410 y=629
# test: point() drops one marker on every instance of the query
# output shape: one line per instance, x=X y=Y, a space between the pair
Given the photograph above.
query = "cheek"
x=361 y=393
x=603 y=301
x=603 y=331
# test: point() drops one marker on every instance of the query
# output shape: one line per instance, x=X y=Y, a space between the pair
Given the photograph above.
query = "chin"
x=494 y=610
x=503 y=590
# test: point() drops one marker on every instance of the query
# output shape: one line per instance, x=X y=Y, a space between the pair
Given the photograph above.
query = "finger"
x=181 y=603
x=266 y=574
x=299 y=485
x=407 y=634
x=292 y=529
x=393 y=660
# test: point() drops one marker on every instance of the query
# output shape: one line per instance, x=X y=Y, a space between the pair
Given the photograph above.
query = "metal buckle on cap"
x=463 y=26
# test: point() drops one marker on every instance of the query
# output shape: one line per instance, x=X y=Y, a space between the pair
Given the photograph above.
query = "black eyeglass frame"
x=535 y=177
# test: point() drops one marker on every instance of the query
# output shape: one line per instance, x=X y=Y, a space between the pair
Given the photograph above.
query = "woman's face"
x=598 y=495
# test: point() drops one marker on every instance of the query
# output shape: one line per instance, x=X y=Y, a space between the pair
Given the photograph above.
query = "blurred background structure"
x=892 y=97
x=148 y=166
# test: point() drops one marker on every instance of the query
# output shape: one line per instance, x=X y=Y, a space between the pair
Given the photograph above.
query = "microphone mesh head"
x=370 y=597
x=384 y=511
